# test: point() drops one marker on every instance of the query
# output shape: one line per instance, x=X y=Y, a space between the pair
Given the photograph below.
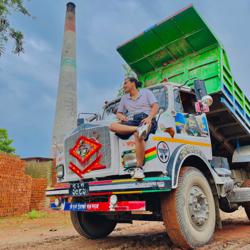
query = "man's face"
x=128 y=86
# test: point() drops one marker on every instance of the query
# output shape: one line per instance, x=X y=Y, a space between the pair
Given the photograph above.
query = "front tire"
x=189 y=211
x=92 y=225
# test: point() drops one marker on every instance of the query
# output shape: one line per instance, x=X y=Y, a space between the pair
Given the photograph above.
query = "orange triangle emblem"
x=84 y=149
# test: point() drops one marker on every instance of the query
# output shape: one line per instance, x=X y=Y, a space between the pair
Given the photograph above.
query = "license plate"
x=79 y=189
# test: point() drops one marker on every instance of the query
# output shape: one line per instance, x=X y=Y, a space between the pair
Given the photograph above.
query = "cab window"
x=177 y=102
x=161 y=96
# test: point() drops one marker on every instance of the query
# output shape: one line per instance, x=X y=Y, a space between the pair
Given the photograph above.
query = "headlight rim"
x=62 y=170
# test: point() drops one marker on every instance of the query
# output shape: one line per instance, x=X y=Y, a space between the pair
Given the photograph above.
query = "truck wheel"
x=247 y=204
x=189 y=211
x=92 y=225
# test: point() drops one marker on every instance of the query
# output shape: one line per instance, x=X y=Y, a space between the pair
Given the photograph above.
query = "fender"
x=179 y=155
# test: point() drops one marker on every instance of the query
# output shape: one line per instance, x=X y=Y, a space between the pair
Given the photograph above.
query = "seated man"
x=136 y=112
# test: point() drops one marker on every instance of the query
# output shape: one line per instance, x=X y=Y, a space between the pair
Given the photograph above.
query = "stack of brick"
x=19 y=192
x=37 y=194
x=15 y=186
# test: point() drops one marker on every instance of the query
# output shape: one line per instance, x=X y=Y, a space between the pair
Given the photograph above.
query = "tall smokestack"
x=66 y=104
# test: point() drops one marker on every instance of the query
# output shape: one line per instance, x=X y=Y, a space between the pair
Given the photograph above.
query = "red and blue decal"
x=102 y=206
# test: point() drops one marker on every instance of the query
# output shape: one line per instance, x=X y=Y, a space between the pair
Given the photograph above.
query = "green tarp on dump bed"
x=182 y=47
x=176 y=37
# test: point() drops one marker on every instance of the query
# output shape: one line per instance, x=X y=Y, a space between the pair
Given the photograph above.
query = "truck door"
x=191 y=128
x=187 y=122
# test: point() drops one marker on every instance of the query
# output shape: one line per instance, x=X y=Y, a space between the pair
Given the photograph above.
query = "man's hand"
x=122 y=117
x=147 y=120
x=152 y=114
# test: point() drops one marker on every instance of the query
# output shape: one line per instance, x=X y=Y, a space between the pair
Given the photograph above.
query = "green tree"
x=7 y=7
x=128 y=72
x=5 y=142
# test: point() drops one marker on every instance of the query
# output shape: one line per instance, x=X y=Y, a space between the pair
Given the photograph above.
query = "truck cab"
x=196 y=163
x=176 y=126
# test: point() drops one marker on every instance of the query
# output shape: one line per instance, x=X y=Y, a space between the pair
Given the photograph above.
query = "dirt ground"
x=56 y=232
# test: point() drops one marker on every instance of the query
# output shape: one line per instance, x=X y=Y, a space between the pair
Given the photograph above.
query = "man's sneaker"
x=143 y=131
x=138 y=173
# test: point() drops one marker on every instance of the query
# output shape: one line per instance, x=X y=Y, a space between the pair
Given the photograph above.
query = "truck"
x=196 y=164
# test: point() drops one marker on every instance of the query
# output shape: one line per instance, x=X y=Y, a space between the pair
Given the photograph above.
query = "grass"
x=34 y=214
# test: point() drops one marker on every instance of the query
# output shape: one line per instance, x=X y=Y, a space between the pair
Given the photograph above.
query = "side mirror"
x=204 y=101
x=80 y=121
x=200 y=89
x=92 y=118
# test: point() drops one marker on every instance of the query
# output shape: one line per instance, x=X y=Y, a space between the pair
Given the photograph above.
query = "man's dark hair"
x=133 y=79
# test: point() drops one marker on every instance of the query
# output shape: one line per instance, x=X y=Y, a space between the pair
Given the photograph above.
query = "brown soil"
x=56 y=232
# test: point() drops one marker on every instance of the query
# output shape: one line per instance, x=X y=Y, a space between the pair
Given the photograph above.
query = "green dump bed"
x=183 y=47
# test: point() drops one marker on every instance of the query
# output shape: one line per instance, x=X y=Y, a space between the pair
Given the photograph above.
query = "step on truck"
x=196 y=163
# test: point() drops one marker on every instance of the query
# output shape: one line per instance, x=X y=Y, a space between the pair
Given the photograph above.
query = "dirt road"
x=55 y=232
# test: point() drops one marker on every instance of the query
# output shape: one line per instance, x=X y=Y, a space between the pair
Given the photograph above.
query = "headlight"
x=57 y=202
x=129 y=158
x=60 y=171
x=207 y=100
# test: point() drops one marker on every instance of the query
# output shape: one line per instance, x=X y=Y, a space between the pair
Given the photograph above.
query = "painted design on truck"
x=150 y=154
x=102 y=206
x=129 y=156
x=181 y=141
x=85 y=149
x=191 y=125
x=163 y=152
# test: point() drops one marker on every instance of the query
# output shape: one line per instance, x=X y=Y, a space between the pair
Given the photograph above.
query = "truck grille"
x=101 y=134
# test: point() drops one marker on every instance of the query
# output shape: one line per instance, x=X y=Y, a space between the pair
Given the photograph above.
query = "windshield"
x=161 y=96
x=159 y=92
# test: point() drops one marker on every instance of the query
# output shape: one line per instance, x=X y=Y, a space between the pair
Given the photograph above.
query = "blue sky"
x=28 y=82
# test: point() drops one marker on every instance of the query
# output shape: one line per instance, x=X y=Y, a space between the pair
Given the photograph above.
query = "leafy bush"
x=34 y=214
x=39 y=170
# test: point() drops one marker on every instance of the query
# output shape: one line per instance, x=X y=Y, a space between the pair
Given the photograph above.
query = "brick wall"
x=16 y=188
x=37 y=200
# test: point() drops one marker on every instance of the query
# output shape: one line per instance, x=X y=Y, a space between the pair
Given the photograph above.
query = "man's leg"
x=122 y=128
x=139 y=150
x=140 y=154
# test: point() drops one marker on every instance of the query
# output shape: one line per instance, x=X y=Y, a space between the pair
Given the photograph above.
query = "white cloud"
x=91 y=98
x=38 y=64
x=106 y=31
x=38 y=44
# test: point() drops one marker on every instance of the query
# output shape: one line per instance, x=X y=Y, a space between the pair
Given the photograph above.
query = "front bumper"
x=109 y=187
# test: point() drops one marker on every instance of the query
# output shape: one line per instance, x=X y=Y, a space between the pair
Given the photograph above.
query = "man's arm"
x=154 y=110
x=120 y=111
x=154 y=107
